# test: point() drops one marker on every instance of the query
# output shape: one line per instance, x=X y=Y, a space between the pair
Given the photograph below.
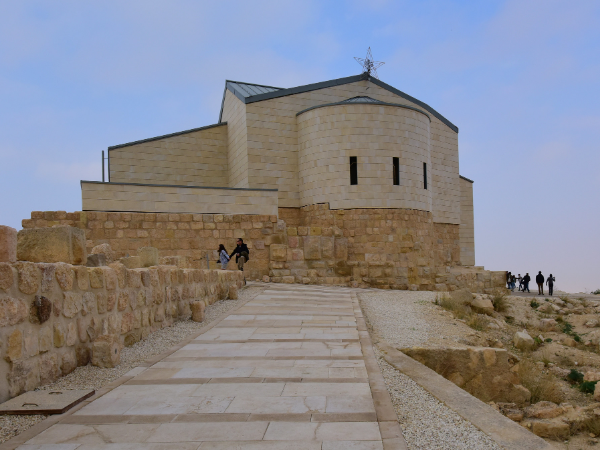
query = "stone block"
x=98 y=260
x=106 y=250
x=551 y=429
x=14 y=348
x=523 y=341
x=288 y=279
x=7 y=277
x=72 y=304
x=8 y=244
x=23 y=376
x=312 y=247
x=197 y=310
x=106 y=351
x=482 y=306
x=49 y=369
x=233 y=292
x=45 y=339
x=68 y=362
x=59 y=335
x=278 y=252
x=65 y=276
x=30 y=277
x=148 y=256
x=56 y=244
x=131 y=262
x=12 y=311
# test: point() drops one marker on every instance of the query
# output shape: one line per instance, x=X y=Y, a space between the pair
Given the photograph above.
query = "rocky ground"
x=564 y=336
x=92 y=377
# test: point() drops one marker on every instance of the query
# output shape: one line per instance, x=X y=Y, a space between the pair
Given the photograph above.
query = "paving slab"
x=289 y=369
x=45 y=402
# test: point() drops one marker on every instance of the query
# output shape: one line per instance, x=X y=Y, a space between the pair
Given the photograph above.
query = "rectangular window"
x=425 y=175
x=396 y=168
x=353 y=170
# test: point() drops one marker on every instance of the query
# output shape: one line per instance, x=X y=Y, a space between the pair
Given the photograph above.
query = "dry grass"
x=456 y=307
x=590 y=425
x=499 y=299
x=478 y=322
x=543 y=386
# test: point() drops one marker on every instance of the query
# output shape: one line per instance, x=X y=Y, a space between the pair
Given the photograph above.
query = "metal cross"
x=369 y=65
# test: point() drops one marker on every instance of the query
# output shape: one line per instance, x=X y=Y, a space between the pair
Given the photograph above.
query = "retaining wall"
x=51 y=313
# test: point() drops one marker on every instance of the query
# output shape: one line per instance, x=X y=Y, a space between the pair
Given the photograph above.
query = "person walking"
x=513 y=283
x=539 y=279
x=520 y=280
x=242 y=254
x=223 y=257
x=508 y=279
x=550 y=282
x=526 y=280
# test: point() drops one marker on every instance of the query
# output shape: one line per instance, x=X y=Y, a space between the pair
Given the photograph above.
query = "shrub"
x=575 y=376
x=566 y=327
x=456 y=307
x=509 y=319
x=534 y=304
x=543 y=386
x=588 y=387
x=596 y=292
x=478 y=322
x=500 y=300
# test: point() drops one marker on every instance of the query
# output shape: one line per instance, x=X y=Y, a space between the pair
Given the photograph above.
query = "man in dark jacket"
x=539 y=279
x=550 y=282
x=241 y=253
x=526 y=280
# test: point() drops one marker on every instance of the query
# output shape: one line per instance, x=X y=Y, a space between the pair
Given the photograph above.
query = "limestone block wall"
x=467 y=224
x=234 y=113
x=51 y=312
x=98 y=196
x=328 y=136
x=193 y=158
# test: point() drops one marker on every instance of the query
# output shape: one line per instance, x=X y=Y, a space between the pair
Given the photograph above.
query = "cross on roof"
x=369 y=65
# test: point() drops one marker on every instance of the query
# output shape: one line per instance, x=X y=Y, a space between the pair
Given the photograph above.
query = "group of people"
x=241 y=252
x=511 y=281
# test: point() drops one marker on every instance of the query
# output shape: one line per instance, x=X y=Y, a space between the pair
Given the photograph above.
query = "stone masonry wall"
x=387 y=248
x=51 y=313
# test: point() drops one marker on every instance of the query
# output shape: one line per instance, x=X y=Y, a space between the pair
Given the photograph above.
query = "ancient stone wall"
x=387 y=248
x=50 y=313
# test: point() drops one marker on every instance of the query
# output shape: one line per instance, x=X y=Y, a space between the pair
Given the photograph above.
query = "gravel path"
x=404 y=319
x=92 y=377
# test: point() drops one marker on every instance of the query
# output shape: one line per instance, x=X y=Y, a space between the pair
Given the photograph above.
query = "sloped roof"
x=361 y=99
x=250 y=93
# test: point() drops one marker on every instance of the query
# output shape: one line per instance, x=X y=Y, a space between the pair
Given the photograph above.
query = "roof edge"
x=113 y=147
x=81 y=182
x=344 y=103
x=466 y=179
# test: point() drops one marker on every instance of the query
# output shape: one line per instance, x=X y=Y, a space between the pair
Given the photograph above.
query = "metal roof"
x=362 y=99
x=244 y=91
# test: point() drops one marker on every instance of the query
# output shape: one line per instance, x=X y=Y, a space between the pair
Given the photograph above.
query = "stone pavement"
x=293 y=368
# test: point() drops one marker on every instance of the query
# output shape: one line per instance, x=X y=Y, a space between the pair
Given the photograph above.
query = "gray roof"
x=244 y=91
x=362 y=99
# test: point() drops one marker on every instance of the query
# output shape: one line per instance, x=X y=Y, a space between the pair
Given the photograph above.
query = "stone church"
x=357 y=181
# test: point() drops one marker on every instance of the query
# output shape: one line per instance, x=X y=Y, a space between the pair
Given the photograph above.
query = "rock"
x=551 y=429
x=68 y=363
x=65 y=276
x=30 y=277
x=197 y=310
x=591 y=323
x=49 y=369
x=57 y=244
x=106 y=250
x=591 y=376
x=45 y=339
x=14 y=348
x=7 y=277
x=266 y=278
x=83 y=356
x=8 y=244
x=597 y=392
x=233 y=292
x=523 y=341
x=106 y=351
x=97 y=260
x=12 y=311
x=594 y=337
x=543 y=410
x=288 y=279
x=72 y=304
x=131 y=262
x=23 y=376
x=41 y=309
x=463 y=296
x=482 y=306
x=569 y=342
x=515 y=415
x=148 y=256
x=548 y=325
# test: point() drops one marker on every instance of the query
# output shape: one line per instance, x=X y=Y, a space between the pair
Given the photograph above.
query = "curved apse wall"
x=375 y=133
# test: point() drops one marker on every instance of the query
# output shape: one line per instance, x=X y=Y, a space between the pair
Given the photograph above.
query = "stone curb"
x=502 y=430
x=42 y=426
x=389 y=427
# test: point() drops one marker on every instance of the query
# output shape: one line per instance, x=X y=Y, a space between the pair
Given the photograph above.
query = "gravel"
x=92 y=377
x=406 y=319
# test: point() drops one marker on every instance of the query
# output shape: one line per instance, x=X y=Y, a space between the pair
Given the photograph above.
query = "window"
x=425 y=175
x=353 y=170
x=396 y=169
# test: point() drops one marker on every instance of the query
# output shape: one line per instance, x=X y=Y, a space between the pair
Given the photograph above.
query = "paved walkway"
x=292 y=368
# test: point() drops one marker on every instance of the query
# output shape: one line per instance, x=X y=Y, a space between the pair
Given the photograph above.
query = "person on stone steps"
x=539 y=279
x=223 y=257
x=242 y=254
x=550 y=282
x=526 y=280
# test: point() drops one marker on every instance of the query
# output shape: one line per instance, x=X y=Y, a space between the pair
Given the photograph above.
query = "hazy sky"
x=521 y=79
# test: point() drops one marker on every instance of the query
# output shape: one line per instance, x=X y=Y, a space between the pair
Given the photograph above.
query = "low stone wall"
x=386 y=248
x=50 y=313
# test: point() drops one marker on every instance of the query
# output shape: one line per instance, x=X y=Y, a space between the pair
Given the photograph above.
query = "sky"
x=521 y=80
